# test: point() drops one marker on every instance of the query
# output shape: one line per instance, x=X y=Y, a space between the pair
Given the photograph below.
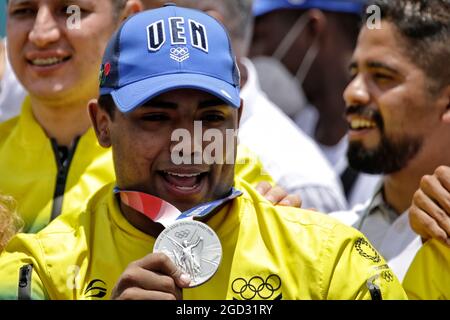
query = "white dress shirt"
x=389 y=232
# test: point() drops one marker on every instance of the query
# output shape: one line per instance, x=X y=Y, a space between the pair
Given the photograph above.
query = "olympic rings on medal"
x=182 y=234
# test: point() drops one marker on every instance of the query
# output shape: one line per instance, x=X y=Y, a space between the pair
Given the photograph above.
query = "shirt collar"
x=379 y=204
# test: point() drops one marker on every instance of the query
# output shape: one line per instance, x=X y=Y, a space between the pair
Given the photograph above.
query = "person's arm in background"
x=429 y=214
x=278 y=196
x=428 y=276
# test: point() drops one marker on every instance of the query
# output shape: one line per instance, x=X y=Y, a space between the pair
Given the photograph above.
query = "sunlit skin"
x=385 y=81
x=142 y=146
x=37 y=31
x=218 y=10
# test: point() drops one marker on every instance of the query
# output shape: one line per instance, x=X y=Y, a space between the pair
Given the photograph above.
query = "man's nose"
x=196 y=130
x=45 y=28
x=191 y=150
x=357 y=92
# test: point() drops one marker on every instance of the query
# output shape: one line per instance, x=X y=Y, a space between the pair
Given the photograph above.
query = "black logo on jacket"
x=258 y=287
x=95 y=291
x=366 y=250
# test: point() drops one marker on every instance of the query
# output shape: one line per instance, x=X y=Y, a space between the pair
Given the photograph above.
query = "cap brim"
x=356 y=7
x=135 y=94
x=262 y=9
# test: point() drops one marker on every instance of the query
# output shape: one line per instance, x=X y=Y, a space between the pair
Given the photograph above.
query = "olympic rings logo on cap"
x=179 y=54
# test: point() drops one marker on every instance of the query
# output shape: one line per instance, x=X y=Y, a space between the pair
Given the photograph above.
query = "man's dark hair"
x=106 y=102
x=424 y=26
x=350 y=24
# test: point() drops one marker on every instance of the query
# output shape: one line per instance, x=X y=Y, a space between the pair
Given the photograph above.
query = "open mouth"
x=359 y=124
x=47 y=62
x=184 y=182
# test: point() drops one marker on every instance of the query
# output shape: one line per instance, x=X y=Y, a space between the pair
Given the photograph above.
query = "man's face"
x=51 y=58
x=143 y=148
x=390 y=110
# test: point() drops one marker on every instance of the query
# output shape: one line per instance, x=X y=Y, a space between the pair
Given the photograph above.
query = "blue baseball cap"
x=169 y=48
x=262 y=7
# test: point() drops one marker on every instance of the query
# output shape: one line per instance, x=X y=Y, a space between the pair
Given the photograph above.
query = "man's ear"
x=316 y=27
x=131 y=7
x=446 y=102
x=100 y=122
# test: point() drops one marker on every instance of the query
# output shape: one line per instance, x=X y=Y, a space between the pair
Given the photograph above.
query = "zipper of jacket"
x=61 y=177
x=375 y=292
x=24 y=286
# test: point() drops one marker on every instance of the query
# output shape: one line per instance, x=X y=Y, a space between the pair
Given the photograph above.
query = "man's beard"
x=389 y=157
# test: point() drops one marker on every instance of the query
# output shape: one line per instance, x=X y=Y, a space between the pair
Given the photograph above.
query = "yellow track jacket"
x=269 y=252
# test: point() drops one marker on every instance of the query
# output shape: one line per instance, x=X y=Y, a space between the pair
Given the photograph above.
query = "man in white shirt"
x=399 y=116
x=288 y=155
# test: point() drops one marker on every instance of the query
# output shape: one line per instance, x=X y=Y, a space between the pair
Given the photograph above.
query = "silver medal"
x=192 y=246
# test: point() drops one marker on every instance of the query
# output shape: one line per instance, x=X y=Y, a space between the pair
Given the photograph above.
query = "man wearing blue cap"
x=164 y=71
x=288 y=155
x=314 y=41
x=50 y=161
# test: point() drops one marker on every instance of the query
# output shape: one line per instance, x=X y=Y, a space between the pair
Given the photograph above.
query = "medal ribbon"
x=163 y=212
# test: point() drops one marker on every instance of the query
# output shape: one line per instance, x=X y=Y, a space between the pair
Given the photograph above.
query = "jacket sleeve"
x=250 y=168
x=357 y=270
x=428 y=278
x=21 y=270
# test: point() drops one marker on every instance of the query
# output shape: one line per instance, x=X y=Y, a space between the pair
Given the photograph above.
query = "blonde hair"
x=10 y=222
